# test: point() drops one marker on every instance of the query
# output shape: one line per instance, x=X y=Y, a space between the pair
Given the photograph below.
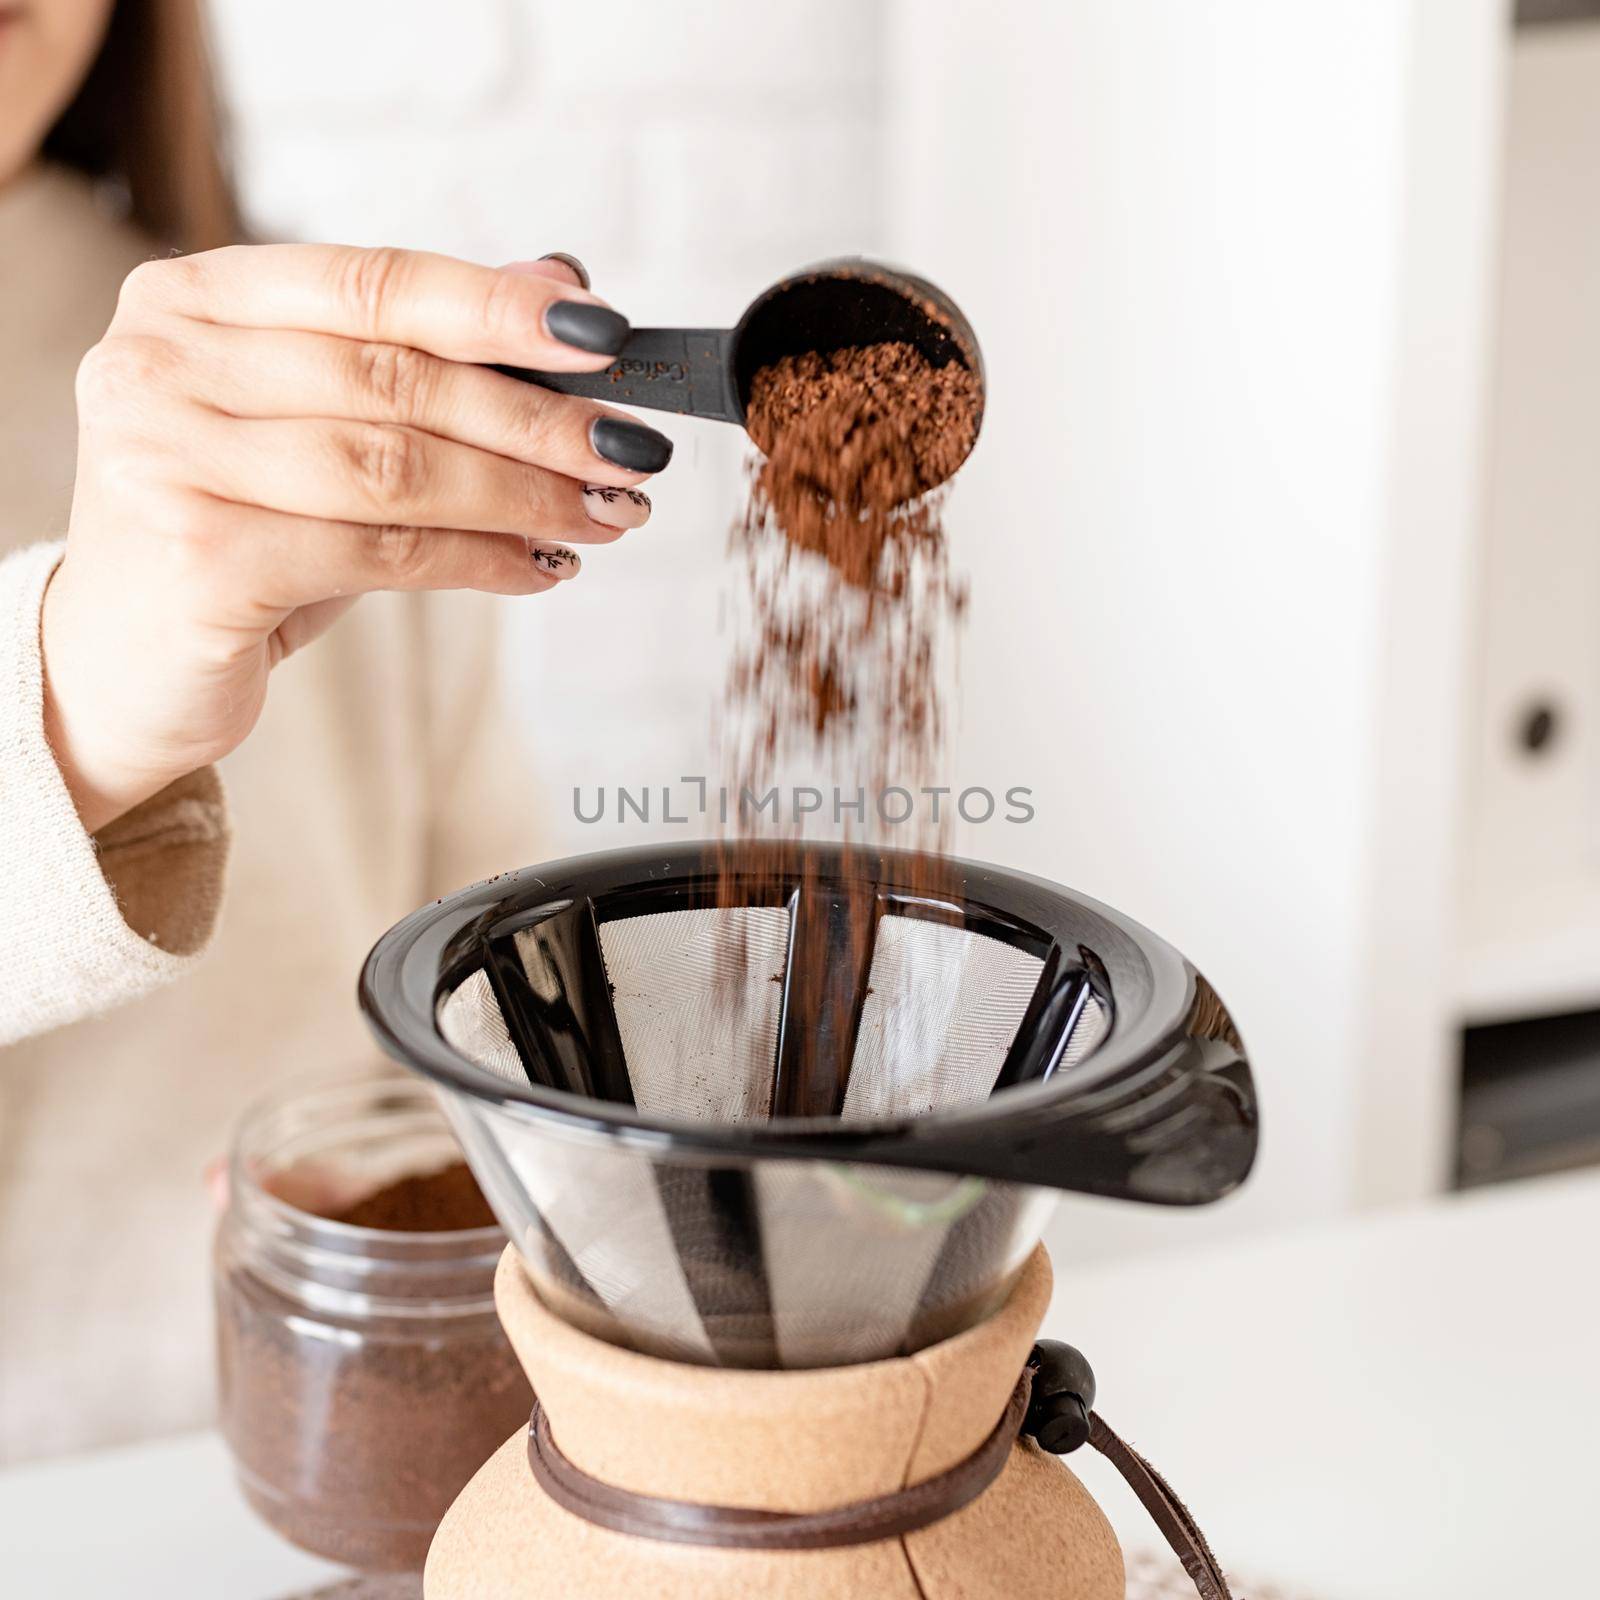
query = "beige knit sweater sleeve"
x=88 y=923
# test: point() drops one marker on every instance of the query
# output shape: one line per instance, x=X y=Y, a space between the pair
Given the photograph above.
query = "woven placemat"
x=1151 y=1576
x=1155 y=1575
x=380 y=1586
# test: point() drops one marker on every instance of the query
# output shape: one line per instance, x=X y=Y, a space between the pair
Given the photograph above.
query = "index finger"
x=450 y=308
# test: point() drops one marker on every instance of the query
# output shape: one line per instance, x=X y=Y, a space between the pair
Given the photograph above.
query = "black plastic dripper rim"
x=1163 y=1111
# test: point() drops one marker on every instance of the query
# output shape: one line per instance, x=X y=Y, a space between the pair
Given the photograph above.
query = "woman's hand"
x=268 y=432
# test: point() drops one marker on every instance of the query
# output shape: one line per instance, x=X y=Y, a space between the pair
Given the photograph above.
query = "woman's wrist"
x=99 y=794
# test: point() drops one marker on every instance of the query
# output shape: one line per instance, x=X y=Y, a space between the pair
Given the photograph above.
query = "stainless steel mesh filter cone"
x=816 y=1125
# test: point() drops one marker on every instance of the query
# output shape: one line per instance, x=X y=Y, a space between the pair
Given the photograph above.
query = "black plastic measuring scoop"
x=707 y=372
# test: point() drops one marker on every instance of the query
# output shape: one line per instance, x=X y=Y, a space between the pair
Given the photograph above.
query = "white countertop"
x=156 y=1521
x=1400 y=1405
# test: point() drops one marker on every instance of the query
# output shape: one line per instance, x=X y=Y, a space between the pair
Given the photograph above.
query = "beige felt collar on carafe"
x=779 y=1441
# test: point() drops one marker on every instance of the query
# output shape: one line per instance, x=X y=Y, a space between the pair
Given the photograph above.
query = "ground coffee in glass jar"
x=363 y=1374
x=446 y=1200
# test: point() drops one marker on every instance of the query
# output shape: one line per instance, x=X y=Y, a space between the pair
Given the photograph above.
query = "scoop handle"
x=686 y=370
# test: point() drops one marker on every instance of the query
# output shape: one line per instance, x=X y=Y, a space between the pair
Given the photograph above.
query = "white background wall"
x=1178 y=237
x=1192 y=240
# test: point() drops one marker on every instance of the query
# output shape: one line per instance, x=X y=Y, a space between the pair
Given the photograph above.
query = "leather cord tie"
x=1059 y=1419
x=743 y=1528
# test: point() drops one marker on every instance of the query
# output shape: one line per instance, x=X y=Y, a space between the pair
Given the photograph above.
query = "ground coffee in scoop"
x=852 y=439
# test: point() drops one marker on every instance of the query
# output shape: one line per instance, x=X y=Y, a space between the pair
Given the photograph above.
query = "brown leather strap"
x=863 y=1521
x=1169 y=1513
x=743 y=1528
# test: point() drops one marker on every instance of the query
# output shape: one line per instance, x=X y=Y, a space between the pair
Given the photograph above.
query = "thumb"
x=560 y=266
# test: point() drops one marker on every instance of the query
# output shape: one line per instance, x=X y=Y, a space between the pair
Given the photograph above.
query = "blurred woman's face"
x=46 y=47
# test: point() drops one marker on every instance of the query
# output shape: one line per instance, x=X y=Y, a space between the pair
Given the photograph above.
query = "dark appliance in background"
x=1530 y=1098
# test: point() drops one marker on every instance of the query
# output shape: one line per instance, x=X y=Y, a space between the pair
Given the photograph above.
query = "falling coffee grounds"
x=850 y=610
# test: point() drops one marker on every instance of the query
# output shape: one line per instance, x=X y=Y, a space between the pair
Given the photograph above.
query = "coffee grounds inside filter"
x=850 y=612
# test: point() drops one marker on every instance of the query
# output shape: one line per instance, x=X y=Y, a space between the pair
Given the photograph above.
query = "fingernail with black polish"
x=629 y=445
x=597 y=330
x=571 y=261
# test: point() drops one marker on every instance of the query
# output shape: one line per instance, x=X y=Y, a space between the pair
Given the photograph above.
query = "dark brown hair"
x=147 y=117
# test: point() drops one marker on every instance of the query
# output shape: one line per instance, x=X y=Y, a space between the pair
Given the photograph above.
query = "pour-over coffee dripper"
x=617 y=1052
x=835 y=305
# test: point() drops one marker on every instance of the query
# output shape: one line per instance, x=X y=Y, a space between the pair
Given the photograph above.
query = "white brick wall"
x=683 y=55
x=688 y=150
x=348 y=62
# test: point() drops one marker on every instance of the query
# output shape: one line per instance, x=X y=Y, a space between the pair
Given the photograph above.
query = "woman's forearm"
x=87 y=923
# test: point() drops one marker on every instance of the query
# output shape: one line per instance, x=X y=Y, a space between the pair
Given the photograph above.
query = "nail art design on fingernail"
x=616 y=508
x=570 y=261
x=557 y=560
x=596 y=330
x=629 y=445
